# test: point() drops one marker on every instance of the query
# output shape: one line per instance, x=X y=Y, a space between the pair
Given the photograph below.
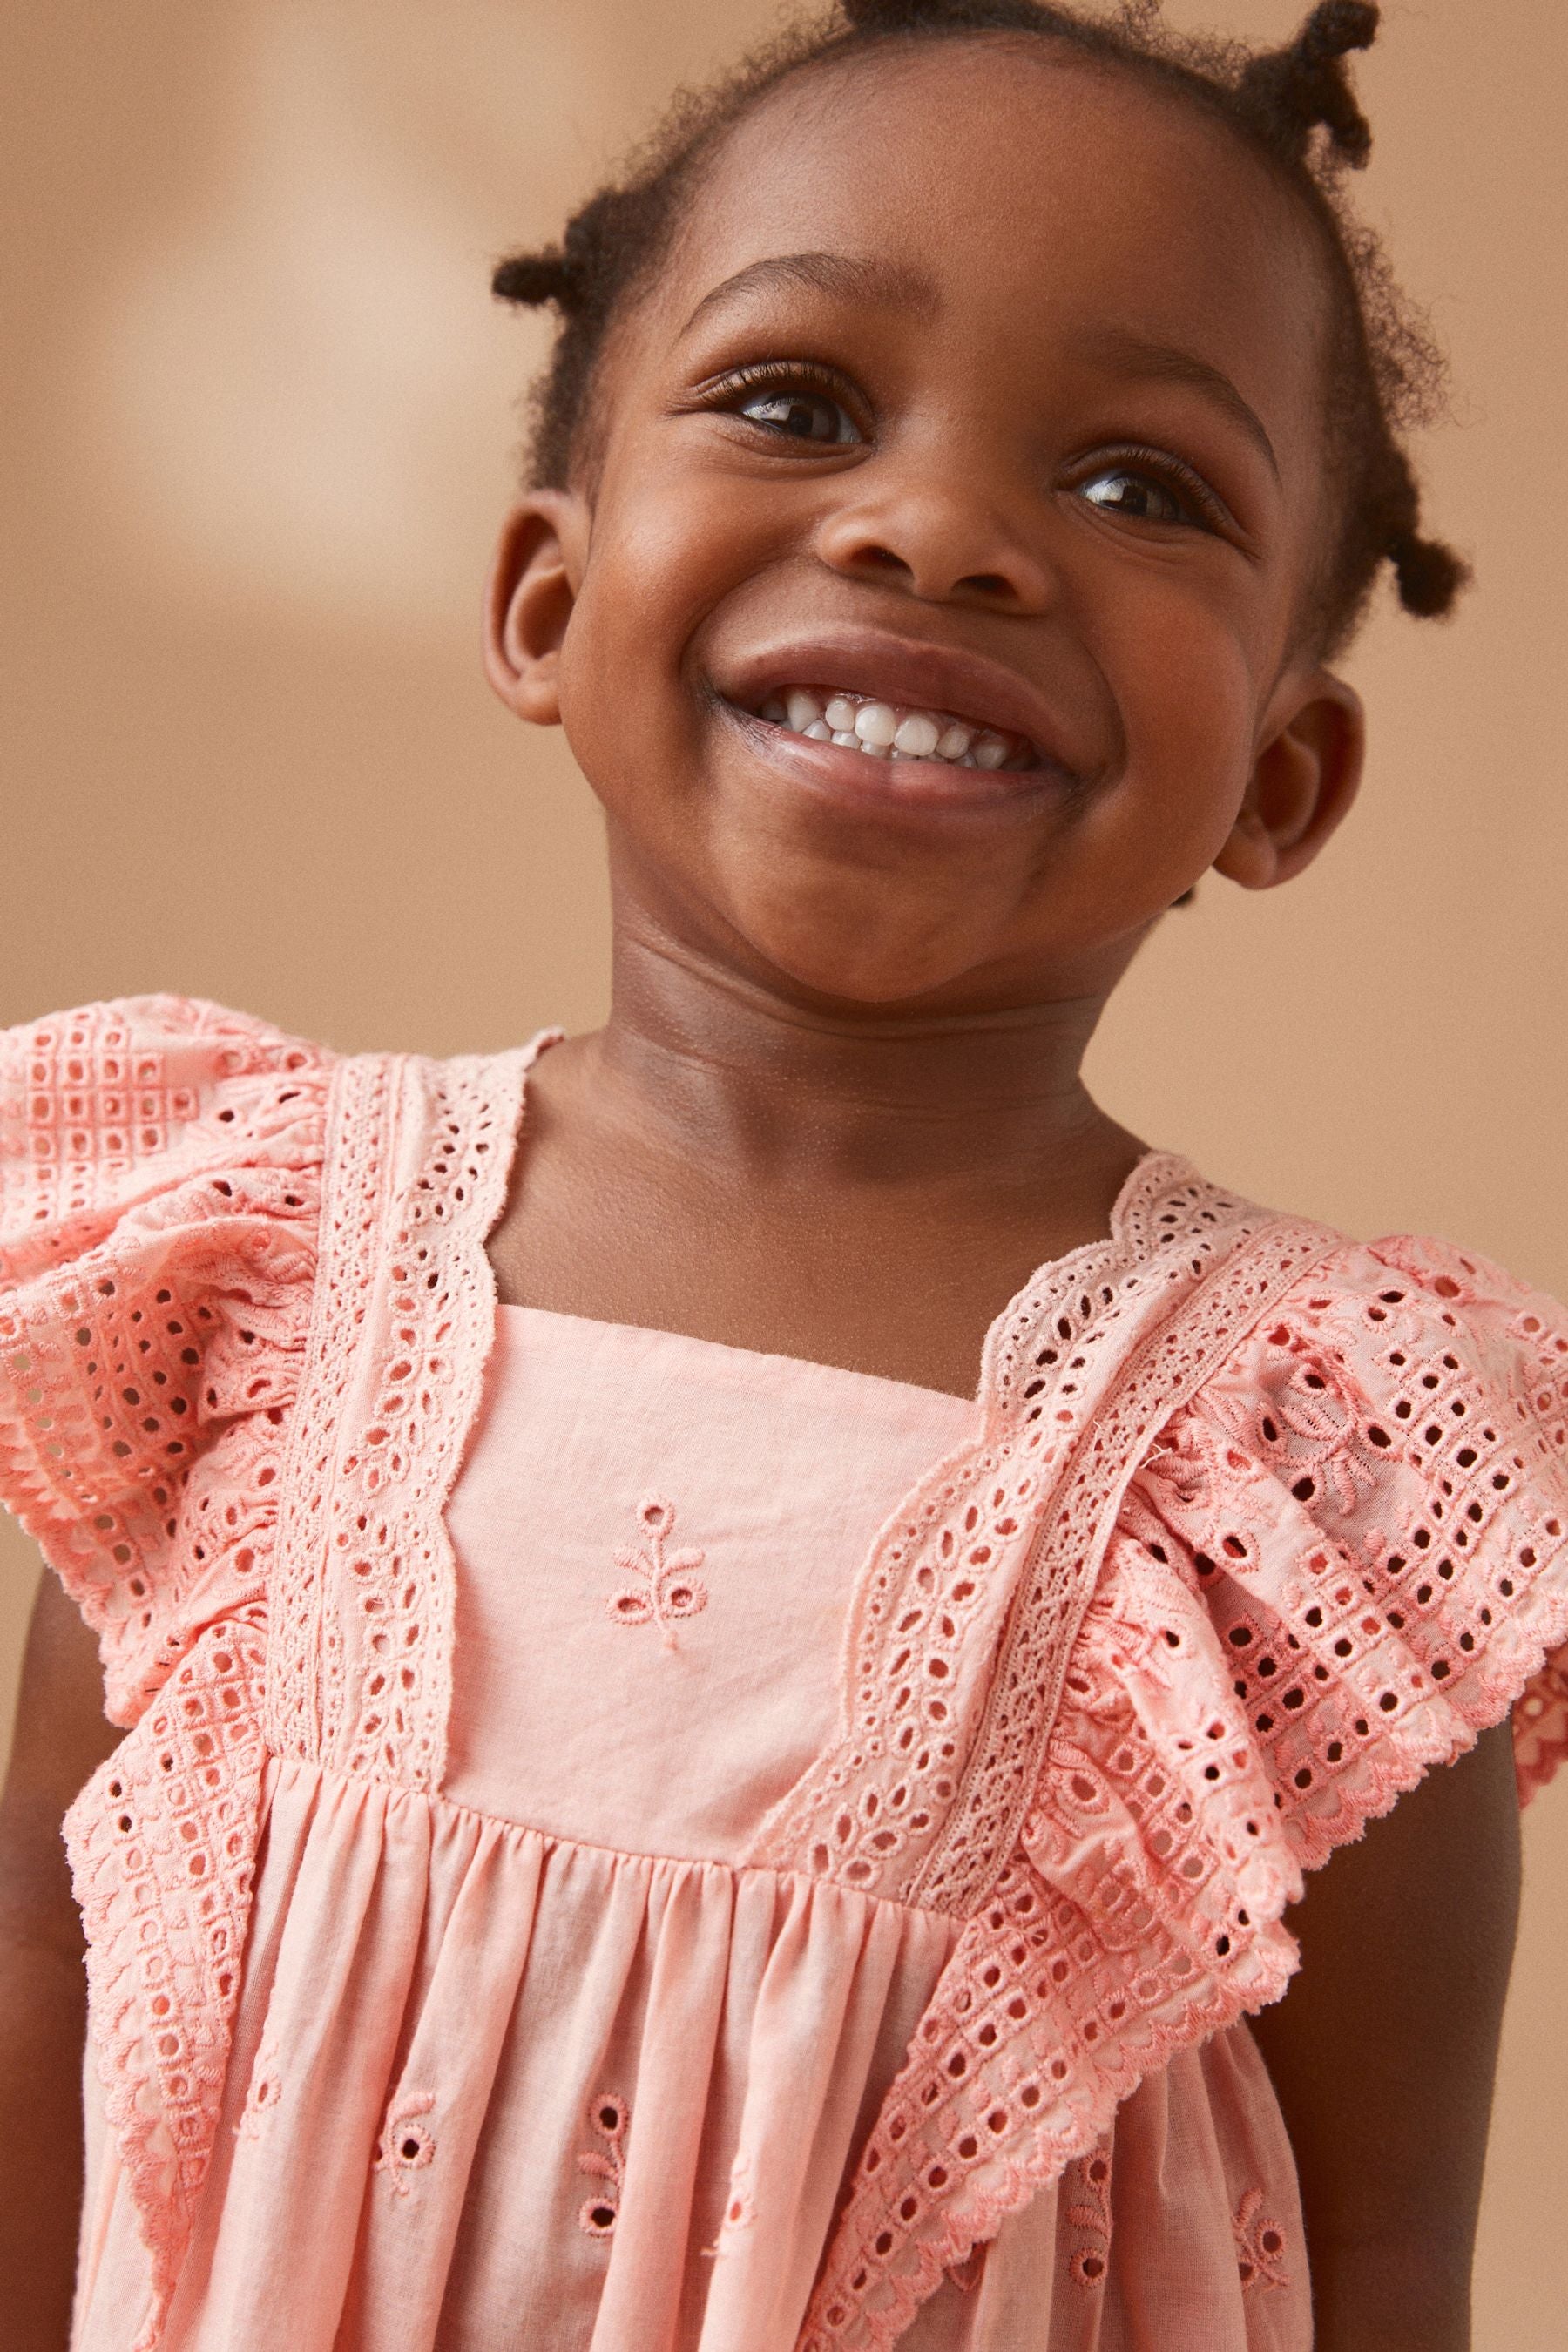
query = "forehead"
x=1029 y=193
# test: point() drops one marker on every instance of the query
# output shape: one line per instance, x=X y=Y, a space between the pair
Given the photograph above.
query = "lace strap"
x=1045 y=2018
x=1203 y=1315
x=419 y=1154
x=918 y=1797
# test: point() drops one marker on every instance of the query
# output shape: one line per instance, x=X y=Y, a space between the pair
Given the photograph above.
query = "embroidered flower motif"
x=740 y=2209
x=670 y=1586
x=609 y=2119
x=1092 y=2214
x=1259 y=2245
x=407 y=2144
x=265 y=2090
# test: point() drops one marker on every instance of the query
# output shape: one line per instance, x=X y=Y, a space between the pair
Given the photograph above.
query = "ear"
x=1304 y=779
x=532 y=587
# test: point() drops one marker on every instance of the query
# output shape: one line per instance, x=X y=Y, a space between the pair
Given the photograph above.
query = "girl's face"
x=981 y=386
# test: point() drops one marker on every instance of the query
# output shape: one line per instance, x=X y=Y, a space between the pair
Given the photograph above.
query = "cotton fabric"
x=484 y=1909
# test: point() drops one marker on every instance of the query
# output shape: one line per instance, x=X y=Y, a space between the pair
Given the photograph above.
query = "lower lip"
x=914 y=789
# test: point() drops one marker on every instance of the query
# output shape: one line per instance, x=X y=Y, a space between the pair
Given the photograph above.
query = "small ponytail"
x=531 y=278
x=1293 y=90
x=1429 y=576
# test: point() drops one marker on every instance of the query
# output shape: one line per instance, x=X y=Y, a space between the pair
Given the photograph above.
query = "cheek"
x=663 y=553
x=1184 y=676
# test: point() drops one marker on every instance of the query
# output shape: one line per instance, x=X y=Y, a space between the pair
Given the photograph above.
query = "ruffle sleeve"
x=161 y=1165
x=1345 y=1558
x=160 y=1191
x=1370 y=1502
x=1338 y=1563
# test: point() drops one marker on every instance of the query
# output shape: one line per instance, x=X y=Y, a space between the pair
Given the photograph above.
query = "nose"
x=935 y=535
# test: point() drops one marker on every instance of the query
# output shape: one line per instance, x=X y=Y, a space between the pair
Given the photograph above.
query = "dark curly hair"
x=1292 y=107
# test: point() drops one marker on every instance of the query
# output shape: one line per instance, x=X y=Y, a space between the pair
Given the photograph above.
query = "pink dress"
x=627 y=1842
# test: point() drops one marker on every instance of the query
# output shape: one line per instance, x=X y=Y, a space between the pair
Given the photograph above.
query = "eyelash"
x=1174 y=474
x=774 y=375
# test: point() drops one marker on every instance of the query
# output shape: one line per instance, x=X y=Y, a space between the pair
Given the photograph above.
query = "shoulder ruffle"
x=1371 y=1501
x=160 y=1191
x=1339 y=1562
x=160 y=1168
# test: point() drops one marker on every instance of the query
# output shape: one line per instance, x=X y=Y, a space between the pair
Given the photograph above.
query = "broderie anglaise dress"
x=623 y=1842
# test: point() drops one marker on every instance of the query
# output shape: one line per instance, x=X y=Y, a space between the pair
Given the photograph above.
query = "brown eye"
x=798 y=416
x=1136 y=494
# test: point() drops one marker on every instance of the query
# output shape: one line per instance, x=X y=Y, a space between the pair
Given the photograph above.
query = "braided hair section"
x=1295 y=109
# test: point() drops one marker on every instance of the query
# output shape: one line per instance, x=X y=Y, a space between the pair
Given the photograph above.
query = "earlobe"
x=531 y=590
x=1304 y=781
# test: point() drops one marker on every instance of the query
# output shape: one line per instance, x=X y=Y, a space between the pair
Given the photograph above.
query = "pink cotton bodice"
x=629 y=1845
x=637 y=2074
x=659 y=1536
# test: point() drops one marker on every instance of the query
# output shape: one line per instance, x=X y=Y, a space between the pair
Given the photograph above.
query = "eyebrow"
x=1167 y=363
x=850 y=276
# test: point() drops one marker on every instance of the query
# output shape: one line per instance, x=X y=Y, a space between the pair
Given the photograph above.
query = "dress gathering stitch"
x=914 y=1902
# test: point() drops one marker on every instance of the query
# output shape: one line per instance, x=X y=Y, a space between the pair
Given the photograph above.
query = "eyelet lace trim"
x=159 y=1198
x=921 y=1795
x=980 y=2116
x=1138 y=1912
x=419 y=1154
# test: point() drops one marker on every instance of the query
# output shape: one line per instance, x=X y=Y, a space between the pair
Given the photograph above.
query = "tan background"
x=259 y=430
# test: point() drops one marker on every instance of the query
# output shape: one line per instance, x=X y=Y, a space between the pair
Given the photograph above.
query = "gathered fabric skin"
x=626 y=1842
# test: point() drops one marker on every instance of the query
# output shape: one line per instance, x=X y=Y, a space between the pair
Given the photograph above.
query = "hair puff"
x=1428 y=575
x=1297 y=88
x=528 y=279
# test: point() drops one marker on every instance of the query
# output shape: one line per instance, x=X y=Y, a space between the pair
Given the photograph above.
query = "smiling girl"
x=736 y=1633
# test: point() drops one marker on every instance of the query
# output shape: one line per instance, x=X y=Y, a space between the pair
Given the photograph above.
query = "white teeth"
x=918 y=735
x=879 y=729
x=877 y=723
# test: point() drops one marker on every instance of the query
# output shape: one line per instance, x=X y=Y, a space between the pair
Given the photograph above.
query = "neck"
x=696 y=1059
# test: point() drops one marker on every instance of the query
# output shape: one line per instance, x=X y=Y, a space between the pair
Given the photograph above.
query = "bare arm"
x=1384 y=2049
x=61 y=1737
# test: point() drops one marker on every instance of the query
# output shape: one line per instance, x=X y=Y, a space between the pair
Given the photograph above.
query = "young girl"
x=734 y=1634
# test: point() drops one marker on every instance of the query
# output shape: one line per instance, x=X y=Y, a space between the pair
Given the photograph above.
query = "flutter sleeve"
x=1345 y=1558
x=160 y=1189
x=1370 y=1502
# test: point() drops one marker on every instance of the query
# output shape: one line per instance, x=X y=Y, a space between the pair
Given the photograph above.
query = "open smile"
x=891 y=731
x=937 y=719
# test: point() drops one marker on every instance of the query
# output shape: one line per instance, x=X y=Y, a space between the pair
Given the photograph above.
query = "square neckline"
x=787 y=1366
x=1050 y=1269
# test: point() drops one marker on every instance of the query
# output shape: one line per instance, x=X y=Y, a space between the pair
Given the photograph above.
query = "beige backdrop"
x=260 y=428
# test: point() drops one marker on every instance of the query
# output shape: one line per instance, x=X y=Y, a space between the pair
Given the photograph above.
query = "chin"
x=853 y=973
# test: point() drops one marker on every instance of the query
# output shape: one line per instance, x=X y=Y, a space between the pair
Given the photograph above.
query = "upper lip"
x=902 y=670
